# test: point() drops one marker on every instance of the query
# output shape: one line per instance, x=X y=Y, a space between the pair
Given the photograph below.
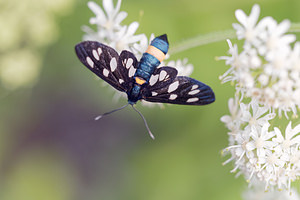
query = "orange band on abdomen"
x=156 y=53
x=139 y=81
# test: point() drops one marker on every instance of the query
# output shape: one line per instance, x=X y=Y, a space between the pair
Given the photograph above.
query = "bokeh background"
x=50 y=146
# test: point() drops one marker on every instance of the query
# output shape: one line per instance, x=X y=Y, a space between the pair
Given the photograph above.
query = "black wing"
x=182 y=90
x=161 y=76
x=106 y=63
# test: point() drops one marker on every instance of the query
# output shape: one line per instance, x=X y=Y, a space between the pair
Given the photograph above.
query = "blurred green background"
x=50 y=146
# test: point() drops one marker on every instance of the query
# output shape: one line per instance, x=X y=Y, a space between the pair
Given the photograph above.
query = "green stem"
x=212 y=37
x=295 y=28
x=200 y=40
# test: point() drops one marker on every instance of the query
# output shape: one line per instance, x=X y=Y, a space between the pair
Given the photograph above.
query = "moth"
x=143 y=80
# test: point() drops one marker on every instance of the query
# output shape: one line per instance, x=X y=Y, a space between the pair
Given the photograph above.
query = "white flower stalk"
x=267 y=68
x=266 y=73
x=122 y=37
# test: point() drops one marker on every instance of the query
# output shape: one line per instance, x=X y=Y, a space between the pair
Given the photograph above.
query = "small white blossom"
x=289 y=139
x=109 y=28
x=110 y=19
x=247 y=29
x=260 y=140
x=125 y=38
x=256 y=116
x=275 y=38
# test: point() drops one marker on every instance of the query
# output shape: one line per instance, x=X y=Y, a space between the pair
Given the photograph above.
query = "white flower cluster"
x=268 y=68
x=112 y=33
x=267 y=79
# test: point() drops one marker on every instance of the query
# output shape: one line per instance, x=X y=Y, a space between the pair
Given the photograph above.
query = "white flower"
x=261 y=140
x=250 y=29
x=109 y=28
x=125 y=38
x=290 y=137
x=272 y=163
x=247 y=27
x=110 y=19
x=258 y=117
x=275 y=38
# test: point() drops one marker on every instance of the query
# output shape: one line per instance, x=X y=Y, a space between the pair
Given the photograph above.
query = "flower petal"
x=132 y=28
x=253 y=17
x=120 y=17
x=98 y=12
x=241 y=17
x=108 y=7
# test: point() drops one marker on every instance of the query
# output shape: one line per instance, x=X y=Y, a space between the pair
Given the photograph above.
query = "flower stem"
x=295 y=28
x=200 y=40
x=212 y=37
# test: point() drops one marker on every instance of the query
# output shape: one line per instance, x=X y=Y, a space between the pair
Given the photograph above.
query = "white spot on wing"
x=129 y=63
x=190 y=100
x=99 y=51
x=131 y=71
x=193 y=92
x=162 y=75
x=113 y=64
x=121 y=81
x=124 y=61
x=90 y=62
x=173 y=86
x=153 y=79
x=154 y=93
x=105 y=72
x=195 y=87
x=95 y=54
x=173 y=96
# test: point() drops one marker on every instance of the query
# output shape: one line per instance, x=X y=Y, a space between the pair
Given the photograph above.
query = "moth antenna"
x=145 y=122
x=107 y=113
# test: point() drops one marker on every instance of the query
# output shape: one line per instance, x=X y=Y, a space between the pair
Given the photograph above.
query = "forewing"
x=105 y=62
x=182 y=90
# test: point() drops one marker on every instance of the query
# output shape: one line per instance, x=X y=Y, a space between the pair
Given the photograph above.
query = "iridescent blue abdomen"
x=150 y=60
